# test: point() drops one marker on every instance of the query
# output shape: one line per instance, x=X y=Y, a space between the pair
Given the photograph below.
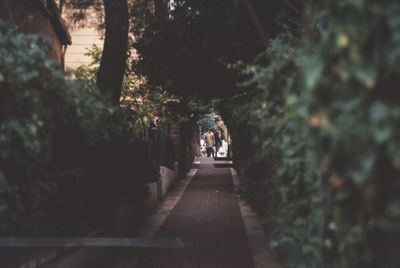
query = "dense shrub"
x=269 y=129
x=66 y=155
x=317 y=138
x=355 y=114
x=148 y=102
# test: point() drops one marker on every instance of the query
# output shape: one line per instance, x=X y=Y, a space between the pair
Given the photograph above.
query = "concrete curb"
x=161 y=211
x=154 y=220
x=157 y=190
x=51 y=256
x=168 y=178
x=255 y=232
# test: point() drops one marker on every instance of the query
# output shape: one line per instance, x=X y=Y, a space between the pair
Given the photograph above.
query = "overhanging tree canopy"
x=189 y=52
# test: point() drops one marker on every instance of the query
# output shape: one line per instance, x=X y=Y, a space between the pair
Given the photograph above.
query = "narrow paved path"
x=206 y=222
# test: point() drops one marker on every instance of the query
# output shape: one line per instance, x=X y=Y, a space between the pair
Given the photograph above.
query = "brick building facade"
x=38 y=17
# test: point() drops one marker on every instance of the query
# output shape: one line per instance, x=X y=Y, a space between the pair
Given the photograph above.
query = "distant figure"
x=209 y=141
x=218 y=142
x=153 y=130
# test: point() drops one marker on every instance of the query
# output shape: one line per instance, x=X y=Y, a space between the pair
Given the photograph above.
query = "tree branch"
x=289 y=4
x=256 y=23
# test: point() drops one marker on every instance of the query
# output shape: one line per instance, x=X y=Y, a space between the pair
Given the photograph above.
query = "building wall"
x=82 y=40
x=32 y=20
x=83 y=37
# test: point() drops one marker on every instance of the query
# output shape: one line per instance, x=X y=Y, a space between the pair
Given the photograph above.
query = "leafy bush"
x=269 y=129
x=317 y=138
x=355 y=114
x=66 y=155
x=148 y=103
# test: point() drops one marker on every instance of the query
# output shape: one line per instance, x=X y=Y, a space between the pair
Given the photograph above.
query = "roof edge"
x=50 y=9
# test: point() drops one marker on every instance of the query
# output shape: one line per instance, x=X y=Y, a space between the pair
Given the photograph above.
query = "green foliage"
x=145 y=103
x=316 y=136
x=65 y=151
x=207 y=121
x=88 y=72
x=269 y=128
x=357 y=101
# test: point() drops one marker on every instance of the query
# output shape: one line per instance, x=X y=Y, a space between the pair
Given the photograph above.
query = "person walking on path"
x=218 y=142
x=209 y=140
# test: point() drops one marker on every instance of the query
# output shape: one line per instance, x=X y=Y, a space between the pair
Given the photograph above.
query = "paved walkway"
x=204 y=230
x=208 y=221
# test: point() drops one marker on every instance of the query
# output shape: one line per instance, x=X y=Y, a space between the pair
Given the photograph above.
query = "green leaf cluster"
x=269 y=129
x=65 y=152
x=316 y=137
x=144 y=104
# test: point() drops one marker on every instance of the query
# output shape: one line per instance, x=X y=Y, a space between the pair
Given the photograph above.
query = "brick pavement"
x=208 y=221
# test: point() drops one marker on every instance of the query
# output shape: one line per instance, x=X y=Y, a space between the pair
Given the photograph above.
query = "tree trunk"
x=113 y=59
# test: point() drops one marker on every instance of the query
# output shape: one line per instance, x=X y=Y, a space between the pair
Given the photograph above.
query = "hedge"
x=317 y=137
x=67 y=156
